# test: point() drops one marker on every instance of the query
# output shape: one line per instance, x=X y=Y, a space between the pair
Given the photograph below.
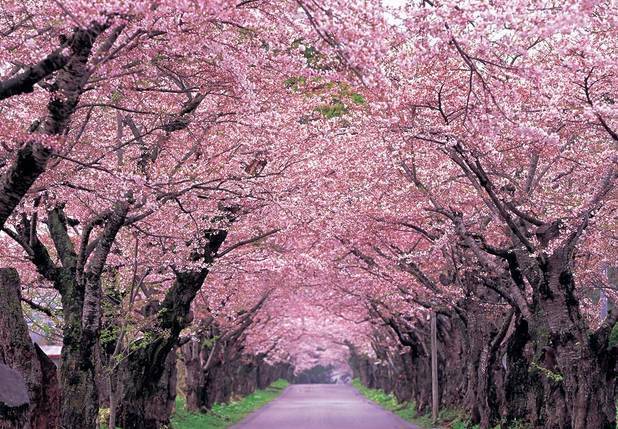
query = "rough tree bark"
x=19 y=353
x=78 y=279
x=216 y=364
x=28 y=165
x=193 y=360
x=198 y=357
x=70 y=61
x=576 y=365
x=138 y=378
x=79 y=283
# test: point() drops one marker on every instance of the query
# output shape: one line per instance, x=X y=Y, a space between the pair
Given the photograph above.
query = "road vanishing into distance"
x=322 y=406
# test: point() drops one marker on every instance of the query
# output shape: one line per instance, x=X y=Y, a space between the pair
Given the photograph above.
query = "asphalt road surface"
x=322 y=406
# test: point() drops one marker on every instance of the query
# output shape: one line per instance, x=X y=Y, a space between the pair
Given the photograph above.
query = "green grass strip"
x=447 y=418
x=405 y=410
x=225 y=415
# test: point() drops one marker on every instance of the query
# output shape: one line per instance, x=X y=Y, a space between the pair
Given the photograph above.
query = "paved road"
x=322 y=406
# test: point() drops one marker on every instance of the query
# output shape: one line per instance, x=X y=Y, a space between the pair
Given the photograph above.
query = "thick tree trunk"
x=146 y=366
x=80 y=289
x=28 y=165
x=146 y=402
x=516 y=388
x=578 y=373
x=143 y=371
x=202 y=363
x=79 y=403
x=193 y=361
x=80 y=351
x=577 y=379
x=18 y=352
x=48 y=410
x=80 y=399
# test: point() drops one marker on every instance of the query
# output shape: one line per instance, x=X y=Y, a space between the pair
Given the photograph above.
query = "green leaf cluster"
x=341 y=102
x=295 y=83
x=339 y=95
x=334 y=109
x=549 y=374
x=342 y=99
x=209 y=342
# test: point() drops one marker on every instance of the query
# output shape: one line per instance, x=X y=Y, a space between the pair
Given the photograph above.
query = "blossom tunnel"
x=199 y=198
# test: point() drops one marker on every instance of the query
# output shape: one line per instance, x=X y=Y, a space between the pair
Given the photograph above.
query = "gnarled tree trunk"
x=575 y=364
x=143 y=370
x=19 y=353
x=147 y=401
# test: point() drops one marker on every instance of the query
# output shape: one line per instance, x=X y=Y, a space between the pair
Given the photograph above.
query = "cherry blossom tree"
x=305 y=182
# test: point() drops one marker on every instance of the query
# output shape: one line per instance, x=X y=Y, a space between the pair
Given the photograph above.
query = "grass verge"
x=447 y=419
x=224 y=415
x=406 y=410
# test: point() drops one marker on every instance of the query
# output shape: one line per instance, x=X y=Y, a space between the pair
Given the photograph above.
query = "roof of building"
x=51 y=351
x=14 y=392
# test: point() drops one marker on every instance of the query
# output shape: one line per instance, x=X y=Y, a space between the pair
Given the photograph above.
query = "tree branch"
x=38 y=307
x=248 y=241
x=57 y=224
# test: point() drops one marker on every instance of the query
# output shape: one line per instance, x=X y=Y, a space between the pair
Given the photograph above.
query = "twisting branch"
x=86 y=248
x=587 y=87
x=57 y=224
x=483 y=179
x=47 y=311
x=410 y=267
x=247 y=241
x=112 y=226
x=24 y=82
